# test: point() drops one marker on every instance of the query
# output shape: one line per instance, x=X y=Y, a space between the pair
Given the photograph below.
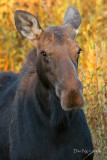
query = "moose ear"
x=72 y=18
x=27 y=25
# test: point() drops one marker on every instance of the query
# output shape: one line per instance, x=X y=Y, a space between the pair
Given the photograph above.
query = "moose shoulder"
x=41 y=116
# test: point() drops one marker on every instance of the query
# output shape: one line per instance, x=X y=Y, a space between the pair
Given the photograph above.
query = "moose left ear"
x=72 y=19
x=27 y=25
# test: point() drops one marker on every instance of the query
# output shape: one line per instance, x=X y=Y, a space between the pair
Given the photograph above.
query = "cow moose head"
x=57 y=55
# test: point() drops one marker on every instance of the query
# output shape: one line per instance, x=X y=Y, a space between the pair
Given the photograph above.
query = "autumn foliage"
x=92 y=38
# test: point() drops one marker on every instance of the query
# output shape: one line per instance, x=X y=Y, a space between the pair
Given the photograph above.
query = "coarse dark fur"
x=39 y=128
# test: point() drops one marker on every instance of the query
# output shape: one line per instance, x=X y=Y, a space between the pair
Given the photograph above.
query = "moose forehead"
x=57 y=38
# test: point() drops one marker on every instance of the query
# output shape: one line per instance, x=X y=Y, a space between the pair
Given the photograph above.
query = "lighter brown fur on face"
x=60 y=67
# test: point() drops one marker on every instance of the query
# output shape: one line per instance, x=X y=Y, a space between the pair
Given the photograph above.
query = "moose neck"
x=50 y=105
x=43 y=97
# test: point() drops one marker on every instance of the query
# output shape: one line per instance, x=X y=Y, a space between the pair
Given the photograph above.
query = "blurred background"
x=92 y=38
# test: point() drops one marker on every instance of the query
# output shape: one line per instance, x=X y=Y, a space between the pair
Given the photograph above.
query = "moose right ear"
x=72 y=19
x=27 y=25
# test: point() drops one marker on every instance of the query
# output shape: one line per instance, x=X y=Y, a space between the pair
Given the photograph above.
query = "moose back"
x=41 y=115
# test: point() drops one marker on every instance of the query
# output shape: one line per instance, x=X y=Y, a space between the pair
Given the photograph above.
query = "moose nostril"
x=72 y=99
x=69 y=86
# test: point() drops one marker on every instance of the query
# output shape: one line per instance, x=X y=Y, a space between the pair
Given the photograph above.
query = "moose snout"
x=70 y=95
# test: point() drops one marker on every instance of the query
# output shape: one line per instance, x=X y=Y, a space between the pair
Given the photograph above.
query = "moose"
x=41 y=109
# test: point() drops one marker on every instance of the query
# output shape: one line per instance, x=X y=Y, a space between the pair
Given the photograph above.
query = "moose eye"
x=43 y=53
x=79 y=51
